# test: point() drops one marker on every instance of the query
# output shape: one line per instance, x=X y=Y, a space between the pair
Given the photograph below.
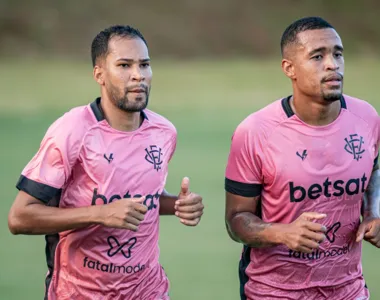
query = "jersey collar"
x=285 y=102
x=98 y=112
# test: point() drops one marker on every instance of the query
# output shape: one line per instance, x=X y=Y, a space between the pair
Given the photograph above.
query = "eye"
x=338 y=55
x=124 y=65
x=317 y=57
x=145 y=65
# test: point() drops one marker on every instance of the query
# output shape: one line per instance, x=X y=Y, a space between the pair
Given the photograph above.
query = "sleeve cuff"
x=242 y=189
x=36 y=189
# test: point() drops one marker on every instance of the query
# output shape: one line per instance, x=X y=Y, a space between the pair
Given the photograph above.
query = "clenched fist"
x=369 y=230
x=304 y=235
x=123 y=213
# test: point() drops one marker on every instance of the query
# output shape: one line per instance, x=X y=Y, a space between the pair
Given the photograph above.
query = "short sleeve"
x=244 y=166
x=48 y=171
x=377 y=143
x=173 y=144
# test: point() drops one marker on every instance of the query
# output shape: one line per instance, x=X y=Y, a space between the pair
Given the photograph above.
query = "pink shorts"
x=354 y=290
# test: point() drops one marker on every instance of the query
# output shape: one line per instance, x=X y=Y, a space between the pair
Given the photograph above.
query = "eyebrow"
x=130 y=60
x=322 y=49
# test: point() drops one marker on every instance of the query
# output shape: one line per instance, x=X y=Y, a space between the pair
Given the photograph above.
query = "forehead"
x=319 y=38
x=126 y=47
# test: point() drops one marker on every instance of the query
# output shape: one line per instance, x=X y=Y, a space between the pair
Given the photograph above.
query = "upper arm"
x=42 y=178
x=48 y=171
x=16 y=216
x=244 y=178
x=236 y=204
x=23 y=199
x=45 y=174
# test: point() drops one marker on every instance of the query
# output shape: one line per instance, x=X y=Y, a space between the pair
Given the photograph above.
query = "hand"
x=304 y=235
x=123 y=213
x=369 y=230
x=189 y=207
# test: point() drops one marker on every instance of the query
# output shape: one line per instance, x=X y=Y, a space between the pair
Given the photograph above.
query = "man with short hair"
x=301 y=172
x=96 y=187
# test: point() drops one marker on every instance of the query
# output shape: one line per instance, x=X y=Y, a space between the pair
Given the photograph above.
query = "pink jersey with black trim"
x=300 y=168
x=83 y=161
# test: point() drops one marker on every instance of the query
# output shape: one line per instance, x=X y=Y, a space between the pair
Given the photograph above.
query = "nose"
x=331 y=63
x=137 y=74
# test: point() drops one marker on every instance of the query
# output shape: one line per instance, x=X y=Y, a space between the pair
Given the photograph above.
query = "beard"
x=125 y=100
x=332 y=96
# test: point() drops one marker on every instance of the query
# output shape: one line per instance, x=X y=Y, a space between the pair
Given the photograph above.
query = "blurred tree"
x=179 y=28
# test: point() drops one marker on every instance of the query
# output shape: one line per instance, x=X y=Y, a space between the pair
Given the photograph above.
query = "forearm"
x=250 y=230
x=371 y=199
x=167 y=203
x=41 y=219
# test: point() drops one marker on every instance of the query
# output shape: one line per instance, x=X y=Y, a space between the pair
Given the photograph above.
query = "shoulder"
x=262 y=122
x=363 y=111
x=157 y=120
x=71 y=127
x=360 y=108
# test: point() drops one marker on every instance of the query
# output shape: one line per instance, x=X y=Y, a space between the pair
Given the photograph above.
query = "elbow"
x=233 y=237
x=15 y=223
x=230 y=232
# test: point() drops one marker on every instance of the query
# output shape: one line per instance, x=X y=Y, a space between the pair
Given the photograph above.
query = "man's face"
x=127 y=73
x=318 y=64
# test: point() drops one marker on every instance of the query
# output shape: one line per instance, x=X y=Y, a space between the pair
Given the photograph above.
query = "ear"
x=288 y=68
x=98 y=74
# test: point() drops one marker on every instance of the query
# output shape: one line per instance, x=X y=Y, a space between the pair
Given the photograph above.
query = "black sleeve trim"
x=36 y=189
x=376 y=161
x=242 y=189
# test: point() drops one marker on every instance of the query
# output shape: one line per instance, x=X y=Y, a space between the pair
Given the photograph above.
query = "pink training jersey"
x=83 y=161
x=297 y=168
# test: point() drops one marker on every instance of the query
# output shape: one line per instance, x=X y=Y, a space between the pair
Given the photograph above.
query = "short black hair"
x=99 y=46
x=309 y=23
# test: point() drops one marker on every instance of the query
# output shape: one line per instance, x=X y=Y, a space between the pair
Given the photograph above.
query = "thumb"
x=138 y=200
x=308 y=216
x=185 y=186
x=361 y=232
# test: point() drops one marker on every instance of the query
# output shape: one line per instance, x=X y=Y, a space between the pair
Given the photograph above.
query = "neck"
x=314 y=112
x=120 y=119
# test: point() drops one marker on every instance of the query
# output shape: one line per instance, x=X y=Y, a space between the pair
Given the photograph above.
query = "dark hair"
x=309 y=23
x=99 y=46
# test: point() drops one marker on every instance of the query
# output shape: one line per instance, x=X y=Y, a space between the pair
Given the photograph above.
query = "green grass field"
x=205 y=100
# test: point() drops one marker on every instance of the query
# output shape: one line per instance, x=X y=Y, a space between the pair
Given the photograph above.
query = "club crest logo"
x=153 y=156
x=354 y=146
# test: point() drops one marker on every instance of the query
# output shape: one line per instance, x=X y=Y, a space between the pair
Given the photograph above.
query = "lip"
x=137 y=91
x=333 y=78
x=333 y=82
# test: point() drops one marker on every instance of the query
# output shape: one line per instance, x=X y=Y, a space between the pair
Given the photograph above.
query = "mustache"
x=139 y=86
